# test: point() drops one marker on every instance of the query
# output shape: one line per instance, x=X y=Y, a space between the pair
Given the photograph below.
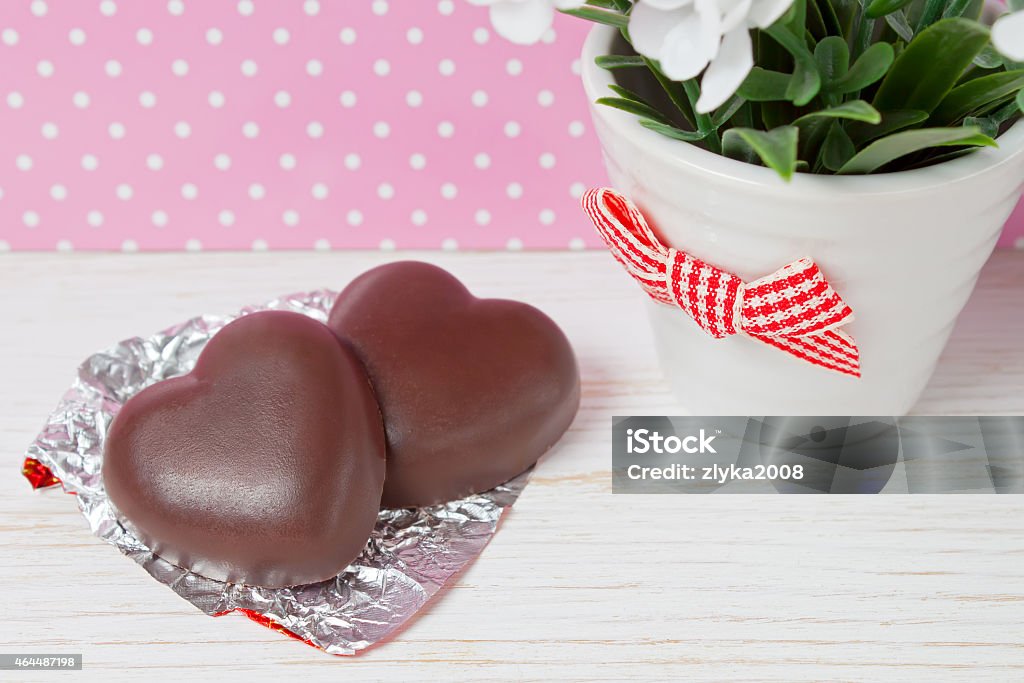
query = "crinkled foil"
x=410 y=556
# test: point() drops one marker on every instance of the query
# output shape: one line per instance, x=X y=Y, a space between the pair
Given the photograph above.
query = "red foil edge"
x=38 y=474
x=264 y=620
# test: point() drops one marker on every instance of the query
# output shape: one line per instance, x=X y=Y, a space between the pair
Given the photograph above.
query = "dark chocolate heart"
x=262 y=466
x=473 y=391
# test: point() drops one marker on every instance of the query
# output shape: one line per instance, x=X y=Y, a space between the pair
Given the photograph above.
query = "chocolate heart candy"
x=262 y=466
x=473 y=391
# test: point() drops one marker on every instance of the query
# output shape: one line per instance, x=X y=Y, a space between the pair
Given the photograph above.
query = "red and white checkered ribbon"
x=794 y=309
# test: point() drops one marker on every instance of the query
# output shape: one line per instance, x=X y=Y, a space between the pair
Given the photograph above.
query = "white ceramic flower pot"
x=903 y=249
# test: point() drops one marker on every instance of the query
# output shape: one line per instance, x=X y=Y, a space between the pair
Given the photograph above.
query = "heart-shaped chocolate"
x=473 y=391
x=262 y=466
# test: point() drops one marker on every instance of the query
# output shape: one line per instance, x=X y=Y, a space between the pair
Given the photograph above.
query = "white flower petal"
x=728 y=70
x=710 y=26
x=522 y=21
x=666 y=5
x=764 y=13
x=686 y=50
x=569 y=4
x=1008 y=36
x=648 y=27
x=734 y=13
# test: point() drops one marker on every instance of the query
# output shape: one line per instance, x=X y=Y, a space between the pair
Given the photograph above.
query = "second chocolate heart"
x=473 y=391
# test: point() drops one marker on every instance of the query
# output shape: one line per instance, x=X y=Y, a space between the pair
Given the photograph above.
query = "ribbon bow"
x=794 y=309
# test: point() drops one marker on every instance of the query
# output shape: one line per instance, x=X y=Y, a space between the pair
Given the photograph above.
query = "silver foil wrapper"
x=410 y=556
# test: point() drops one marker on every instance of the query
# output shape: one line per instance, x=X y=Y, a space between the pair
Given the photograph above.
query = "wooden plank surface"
x=578 y=583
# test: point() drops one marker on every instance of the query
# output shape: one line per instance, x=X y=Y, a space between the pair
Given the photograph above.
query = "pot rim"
x=693 y=158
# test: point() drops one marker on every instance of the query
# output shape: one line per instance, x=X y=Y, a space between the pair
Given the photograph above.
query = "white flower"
x=1008 y=35
x=689 y=36
x=524 y=21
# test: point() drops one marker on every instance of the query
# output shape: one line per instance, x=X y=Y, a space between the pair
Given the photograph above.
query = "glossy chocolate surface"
x=262 y=466
x=473 y=391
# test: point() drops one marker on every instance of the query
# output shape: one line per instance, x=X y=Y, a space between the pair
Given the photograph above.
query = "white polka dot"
x=414 y=35
x=108 y=8
x=513 y=67
x=4 y=246
x=311 y=7
x=382 y=67
x=9 y=36
x=23 y=162
x=249 y=68
x=15 y=100
x=38 y=8
x=189 y=191
x=514 y=244
x=446 y=7
x=112 y=68
x=246 y=8
x=159 y=218
x=577 y=243
x=124 y=192
x=290 y=218
x=250 y=129
x=129 y=246
x=49 y=130
x=545 y=98
x=479 y=98
x=214 y=36
x=347 y=36
x=514 y=190
x=80 y=99
x=116 y=130
x=414 y=98
x=182 y=129
x=353 y=162
x=315 y=129
x=216 y=99
x=281 y=35
x=176 y=7
x=58 y=192
x=513 y=129
x=449 y=191
x=449 y=244
x=547 y=160
x=314 y=67
x=94 y=219
x=481 y=35
x=76 y=36
x=260 y=245
x=381 y=129
x=319 y=191
x=446 y=129
x=418 y=162
x=387 y=244
x=222 y=162
x=179 y=67
x=193 y=245
x=577 y=129
x=322 y=245
x=154 y=162
x=90 y=162
x=257 y=191
x=576 y=67
x=380 y=7
x=446 y=67
x=576 y=190
x=147 y=99
x=30 y=219
x=144 y=36
x=226 y=218
x=1019 y=244
x=65 y=246
x=287 y=161
x=482 y=160
x=385 y=191
x=549 y=36
x=348 y=99
x=282 y=98
x=354 y=217
x=418 y=217
x=547 y=217
x=45 y=68
x=482 y=217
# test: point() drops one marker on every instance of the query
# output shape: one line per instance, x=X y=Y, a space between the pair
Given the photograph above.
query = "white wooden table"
x=578 y=583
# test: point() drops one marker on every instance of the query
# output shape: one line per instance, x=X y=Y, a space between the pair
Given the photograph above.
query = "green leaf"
x=805 y=83
x=674 y=90
x=727 y=110
x=988 y=58
x=892 y=147
x=599 y=16
x=986 y=125
x=775 y=148
x=855 y=110
x=833 y=57
x=672 y=131
x=879 y=8
x=972 y=96
x=956 y=8
x=1020 y=100
x=762 y=85
x=897 y=21
x=619 y=61
x=838 y=148
x=869 y=67
x=892 y=121
x=931 y=65
x=633 y=107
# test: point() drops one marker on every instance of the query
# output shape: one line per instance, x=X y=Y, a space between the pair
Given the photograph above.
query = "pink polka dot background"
x=238 y=124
